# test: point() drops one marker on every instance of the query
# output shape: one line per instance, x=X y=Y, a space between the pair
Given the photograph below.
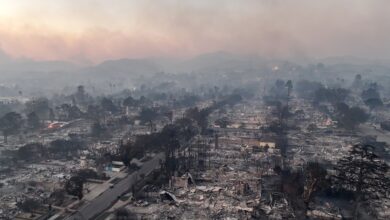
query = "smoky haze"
x=194 y=109
x=77 y=32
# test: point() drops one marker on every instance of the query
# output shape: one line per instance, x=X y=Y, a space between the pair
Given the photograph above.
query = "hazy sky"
x=95 y=30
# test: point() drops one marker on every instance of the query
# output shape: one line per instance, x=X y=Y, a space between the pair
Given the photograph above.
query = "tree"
x=128 y=151
x=315 y=179
x=88 y=174
x=279 y=83
x=363 y=173
x=292 y=185
x=64 y=147
x=169 y=115
x=187 y=101
x=80 y=90
x=125 y=153
x=341 y=108
x=186 y=129
x=385 y=125
x=282 y=113
x=108 y=105
x=229 y=100
x=306 y=89
x=40 y=106
x=33 y=121
x=200 y=116
x=80 y=97
x=357 y=83
x=222 y=122
x=29 y=205
x=4 y=109
x=10 y=124
x=51 y=115
x=57 y=197
x=74 y=186
x=370 y=93
x=148 y=115
x=32 y=151
x=278 y=91
x=289 y=86
x=350 y=118
x=94 y=112
x=371 y=97
x=124 y=214
x=69 y=112
x=129 y=102
x=97 y=130
x=373 y=103
x=143 y=101
x=331 y=95
x=358 y=115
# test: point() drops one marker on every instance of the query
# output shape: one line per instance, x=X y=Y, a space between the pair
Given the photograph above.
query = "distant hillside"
x=125 y=66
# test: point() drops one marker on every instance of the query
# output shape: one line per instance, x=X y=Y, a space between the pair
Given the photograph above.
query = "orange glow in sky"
x=95 y=30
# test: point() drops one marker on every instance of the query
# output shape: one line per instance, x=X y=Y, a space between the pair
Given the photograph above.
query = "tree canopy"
x=363 y=173
x=10 y=123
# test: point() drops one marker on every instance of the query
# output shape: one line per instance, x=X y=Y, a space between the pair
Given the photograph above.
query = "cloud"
x=98 y=30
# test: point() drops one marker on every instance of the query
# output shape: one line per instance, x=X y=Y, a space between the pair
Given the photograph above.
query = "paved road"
x=106 y=199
